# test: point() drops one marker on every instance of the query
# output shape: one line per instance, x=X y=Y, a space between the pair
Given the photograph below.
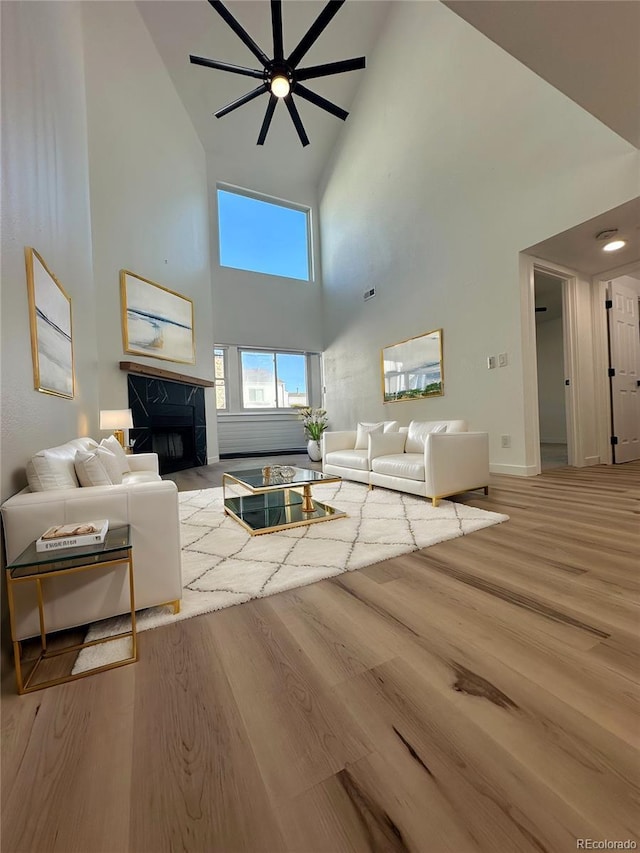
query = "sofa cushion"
x=363 y=432
x=133 y=477
x=409 y=466
x=116 y=448
x=418 y=431
x=90 y=470
x=111 y=464
x=54 y=468
x=358 y=459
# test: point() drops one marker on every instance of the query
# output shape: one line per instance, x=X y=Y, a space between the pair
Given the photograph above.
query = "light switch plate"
x=491 y=362
x=503 y=359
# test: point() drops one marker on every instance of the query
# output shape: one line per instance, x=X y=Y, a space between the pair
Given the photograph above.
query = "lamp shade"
x=116 y=419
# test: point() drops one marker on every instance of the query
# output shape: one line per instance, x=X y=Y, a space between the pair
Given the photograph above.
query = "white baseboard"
x=513 y=470
x=211 y=460
x=591 y=460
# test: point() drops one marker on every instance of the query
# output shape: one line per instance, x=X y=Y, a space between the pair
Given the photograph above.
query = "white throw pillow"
x=391 y=426
x=363 y=432
x=53 y=469
x=111 y=464
x=90 y=470
x=417 y=434
x=116 y=448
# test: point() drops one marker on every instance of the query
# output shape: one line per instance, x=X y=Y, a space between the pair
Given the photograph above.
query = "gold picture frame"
x=156 y=322
x=413 y=369
x=51 y=329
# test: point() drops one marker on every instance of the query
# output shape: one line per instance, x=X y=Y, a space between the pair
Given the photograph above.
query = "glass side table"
x=37 y=567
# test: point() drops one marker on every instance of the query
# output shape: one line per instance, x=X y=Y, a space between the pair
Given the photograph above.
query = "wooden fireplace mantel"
x=158 y=373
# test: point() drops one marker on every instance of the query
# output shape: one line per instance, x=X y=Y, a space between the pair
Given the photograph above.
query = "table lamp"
x=118 y=420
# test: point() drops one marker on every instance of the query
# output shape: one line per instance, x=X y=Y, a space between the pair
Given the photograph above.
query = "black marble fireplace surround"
x=169 y=419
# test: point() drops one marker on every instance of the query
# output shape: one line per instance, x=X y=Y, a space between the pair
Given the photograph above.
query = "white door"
x=624 y=348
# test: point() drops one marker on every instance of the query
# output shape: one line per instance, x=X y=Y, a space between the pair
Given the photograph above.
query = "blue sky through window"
x=261 y=236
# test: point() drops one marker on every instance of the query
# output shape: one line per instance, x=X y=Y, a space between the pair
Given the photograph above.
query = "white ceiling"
x=183 y=27
x=588 y=50
x=578 y=249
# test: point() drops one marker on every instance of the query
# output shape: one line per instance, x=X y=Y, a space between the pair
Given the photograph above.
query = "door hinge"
x=608 y=303
x=612 y=371
x=614 y=439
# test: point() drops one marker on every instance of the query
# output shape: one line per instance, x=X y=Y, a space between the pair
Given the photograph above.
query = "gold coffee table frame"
x=273 y=504
x=37 y=567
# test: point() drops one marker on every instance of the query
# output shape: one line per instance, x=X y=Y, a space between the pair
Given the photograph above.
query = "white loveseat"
x=143 y=500
x=434 y=459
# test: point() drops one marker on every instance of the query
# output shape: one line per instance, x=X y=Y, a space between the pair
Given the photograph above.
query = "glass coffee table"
x=273 y=498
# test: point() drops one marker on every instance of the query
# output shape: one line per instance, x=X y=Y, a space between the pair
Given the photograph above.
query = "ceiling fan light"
x=614 y=245
x=280 y=86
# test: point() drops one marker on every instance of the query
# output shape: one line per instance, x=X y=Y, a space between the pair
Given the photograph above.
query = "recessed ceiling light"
x=614 y=245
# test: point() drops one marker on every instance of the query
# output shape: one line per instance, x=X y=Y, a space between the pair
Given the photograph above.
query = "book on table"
x=73 y=535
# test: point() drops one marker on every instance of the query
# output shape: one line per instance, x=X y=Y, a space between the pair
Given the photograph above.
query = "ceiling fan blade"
x=331 y=9
x=319 y=101
x=330 y=68
x=297 y=121
x=240 y=101
x=271 y=106
x=276 y=26
x=240 y=31
x=226 y=66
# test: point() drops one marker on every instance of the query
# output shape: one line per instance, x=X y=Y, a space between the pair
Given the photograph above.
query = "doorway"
x=550 y=359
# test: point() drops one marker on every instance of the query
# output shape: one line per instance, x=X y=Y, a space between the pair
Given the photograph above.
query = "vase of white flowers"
x=315 y=423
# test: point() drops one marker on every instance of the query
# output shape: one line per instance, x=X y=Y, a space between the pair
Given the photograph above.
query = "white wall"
x=553 y=425
x=45 y=204
x=253 y=309
x=257 y=310
x=453 y=160
x=149 y=205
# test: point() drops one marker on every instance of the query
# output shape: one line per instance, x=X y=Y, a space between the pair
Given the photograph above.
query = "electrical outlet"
x=491 y=362
x=505 y=441
x=502 y=359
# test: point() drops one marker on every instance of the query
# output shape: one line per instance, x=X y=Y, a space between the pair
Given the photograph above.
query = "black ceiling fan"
x=281 y=76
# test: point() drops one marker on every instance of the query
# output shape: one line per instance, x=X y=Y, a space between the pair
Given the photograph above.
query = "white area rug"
x=223 y=565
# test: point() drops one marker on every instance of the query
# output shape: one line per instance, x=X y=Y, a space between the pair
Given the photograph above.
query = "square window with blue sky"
x=263 y=236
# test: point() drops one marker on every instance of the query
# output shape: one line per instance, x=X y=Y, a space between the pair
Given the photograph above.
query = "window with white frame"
x=273 y=380
x=264 y=235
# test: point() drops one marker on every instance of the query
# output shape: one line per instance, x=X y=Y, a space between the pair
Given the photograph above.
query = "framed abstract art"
x=156 y=321
x=51 y=331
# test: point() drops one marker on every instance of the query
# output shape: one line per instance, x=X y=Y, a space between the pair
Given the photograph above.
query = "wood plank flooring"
x=480 y=695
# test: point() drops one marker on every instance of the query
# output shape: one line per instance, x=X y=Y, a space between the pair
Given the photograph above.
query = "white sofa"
x=434 y=459
x=143 y=500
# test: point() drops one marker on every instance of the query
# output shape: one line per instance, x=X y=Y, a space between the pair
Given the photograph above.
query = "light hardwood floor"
x=479 y=695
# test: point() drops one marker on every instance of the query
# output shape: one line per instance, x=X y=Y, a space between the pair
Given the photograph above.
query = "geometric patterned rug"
x=223 y=565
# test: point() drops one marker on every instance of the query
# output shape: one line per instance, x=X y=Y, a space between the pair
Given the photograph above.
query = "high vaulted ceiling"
x=588 y=49
x=183 y=27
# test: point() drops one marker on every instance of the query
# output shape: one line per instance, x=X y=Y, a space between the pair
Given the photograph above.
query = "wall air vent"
x=369 y=294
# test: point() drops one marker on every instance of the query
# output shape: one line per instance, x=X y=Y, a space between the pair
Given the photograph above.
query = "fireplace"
x=169 y=419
